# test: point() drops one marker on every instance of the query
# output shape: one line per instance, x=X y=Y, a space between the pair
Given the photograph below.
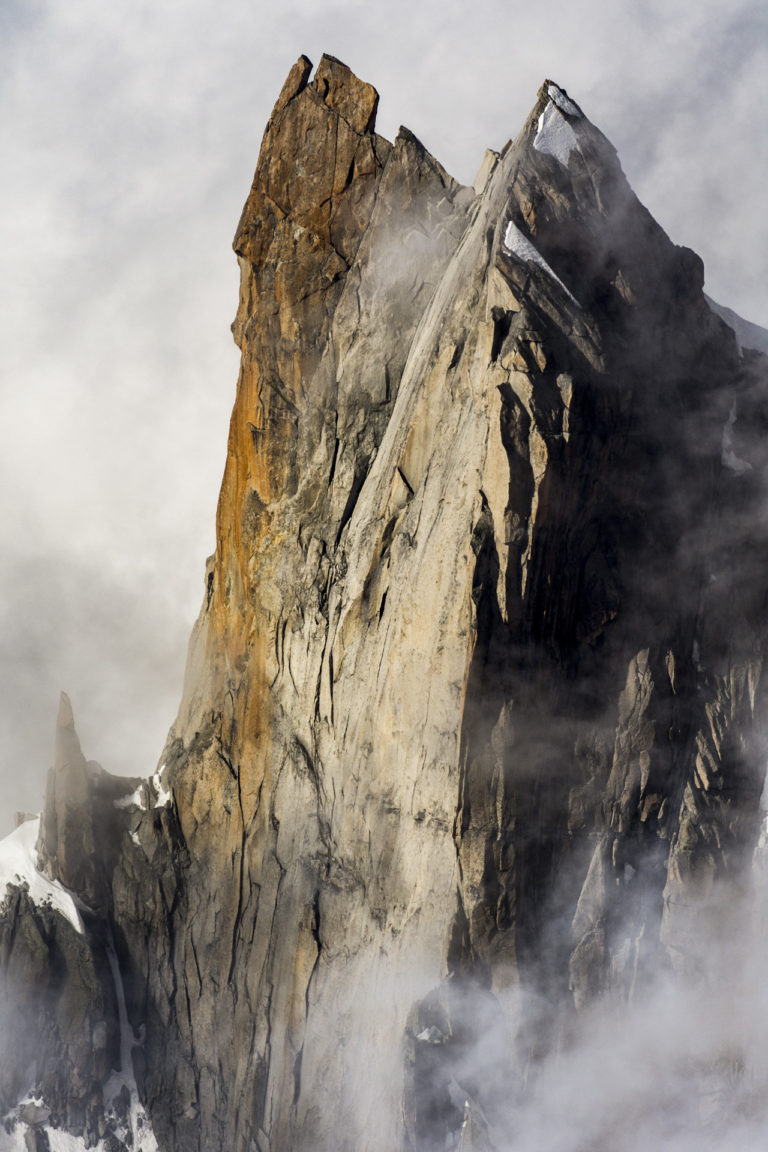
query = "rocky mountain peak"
x=354 y=100
x=470 y=742
x=80 y=827
x=66 y=833
x=295 y=82
x=65 y=718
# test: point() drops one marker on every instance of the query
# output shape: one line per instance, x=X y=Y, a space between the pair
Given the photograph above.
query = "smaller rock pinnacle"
x=65 y=718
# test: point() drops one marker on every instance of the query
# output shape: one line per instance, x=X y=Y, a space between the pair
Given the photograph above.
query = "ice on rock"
x=149 y=794
x=519 y=245
x=555 y=135
x=162 y=792
x=18 y=865
x=137 y=799
x=57 y=1140
x=558 y=97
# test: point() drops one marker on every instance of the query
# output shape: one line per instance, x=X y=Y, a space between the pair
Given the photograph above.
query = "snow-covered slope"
x=18 y=866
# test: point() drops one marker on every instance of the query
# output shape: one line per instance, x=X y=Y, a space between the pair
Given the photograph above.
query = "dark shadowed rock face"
x=473 y=723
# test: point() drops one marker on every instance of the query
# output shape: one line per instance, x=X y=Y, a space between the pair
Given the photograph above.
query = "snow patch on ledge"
x=56 y=1140
x=136 y=799
x=555 y=136
x=18 y=865
x=558 y=97
x=519 y=245
x=150 y=793
x=162 y=793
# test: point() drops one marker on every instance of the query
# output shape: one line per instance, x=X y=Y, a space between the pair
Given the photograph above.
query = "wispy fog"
x=129 y=136
x=671 y=1062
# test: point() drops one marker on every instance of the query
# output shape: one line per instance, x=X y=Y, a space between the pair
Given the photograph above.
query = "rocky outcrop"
x=57 y=1015
x=63 y=1056
x=82 y=824
x=472 y=724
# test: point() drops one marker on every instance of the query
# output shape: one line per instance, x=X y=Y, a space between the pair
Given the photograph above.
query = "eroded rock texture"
x=475 y=700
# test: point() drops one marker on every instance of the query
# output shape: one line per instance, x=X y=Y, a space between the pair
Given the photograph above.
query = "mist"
x=670 y=1062
x=130 y=136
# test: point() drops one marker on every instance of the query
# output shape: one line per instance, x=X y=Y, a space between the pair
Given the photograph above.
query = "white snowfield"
x=59 y=1141
x=18 y=865
x=555 y=135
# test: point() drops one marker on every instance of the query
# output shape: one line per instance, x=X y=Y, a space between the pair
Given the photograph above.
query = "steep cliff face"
x=472 y=734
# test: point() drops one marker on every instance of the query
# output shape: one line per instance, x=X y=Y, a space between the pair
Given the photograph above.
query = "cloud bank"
x=130 y=134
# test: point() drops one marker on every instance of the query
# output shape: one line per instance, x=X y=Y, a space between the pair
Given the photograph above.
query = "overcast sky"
x=129 y=133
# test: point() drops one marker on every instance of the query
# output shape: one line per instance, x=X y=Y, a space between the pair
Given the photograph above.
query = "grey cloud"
x=118 y=649
x=129 y=136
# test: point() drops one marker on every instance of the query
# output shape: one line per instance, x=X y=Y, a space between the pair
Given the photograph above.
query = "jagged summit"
x=471 y=734
x=560 y=125
x=65 y=717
